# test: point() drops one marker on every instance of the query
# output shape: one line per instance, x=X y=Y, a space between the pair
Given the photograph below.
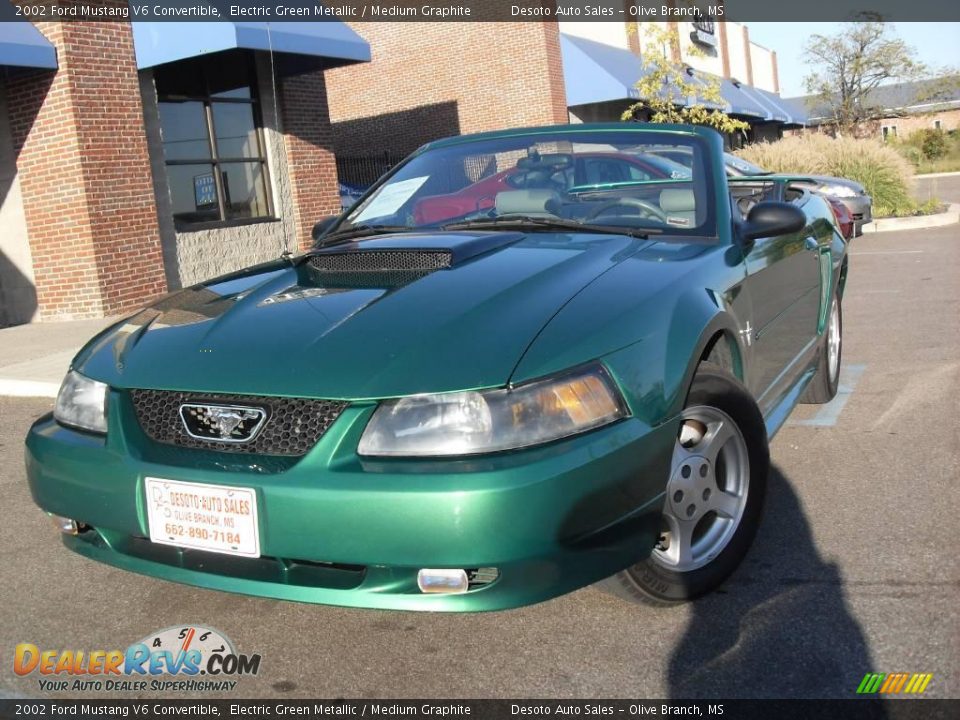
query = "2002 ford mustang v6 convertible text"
x=572 y=381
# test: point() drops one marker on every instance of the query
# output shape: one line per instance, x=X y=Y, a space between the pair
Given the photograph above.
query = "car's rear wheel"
x=714 y=495
x=823 y=387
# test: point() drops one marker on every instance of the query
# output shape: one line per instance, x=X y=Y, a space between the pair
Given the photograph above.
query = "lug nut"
x=685 y=471
x=678 y=496
x=691 y=509
x=706 y=494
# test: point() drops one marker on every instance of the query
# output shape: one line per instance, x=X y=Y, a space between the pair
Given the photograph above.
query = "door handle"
x=811 y=243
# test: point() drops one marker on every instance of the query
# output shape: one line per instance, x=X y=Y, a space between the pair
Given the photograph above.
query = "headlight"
x=82 y=403
x=838 y=190
x=466 y=423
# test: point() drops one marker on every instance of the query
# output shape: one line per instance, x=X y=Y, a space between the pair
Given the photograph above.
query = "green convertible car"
x=463 y=400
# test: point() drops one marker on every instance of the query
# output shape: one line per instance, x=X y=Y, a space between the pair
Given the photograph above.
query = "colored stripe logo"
x=893 y=683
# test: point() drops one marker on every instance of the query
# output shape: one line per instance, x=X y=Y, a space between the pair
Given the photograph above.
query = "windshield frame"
x=704 y=184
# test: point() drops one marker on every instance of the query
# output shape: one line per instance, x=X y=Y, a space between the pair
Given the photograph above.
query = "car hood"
x=384 y=317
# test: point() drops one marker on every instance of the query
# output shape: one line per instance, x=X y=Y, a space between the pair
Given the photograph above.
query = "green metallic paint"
x=550 y=518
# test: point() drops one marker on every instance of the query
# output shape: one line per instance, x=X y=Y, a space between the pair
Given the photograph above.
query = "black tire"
x=823 y=387
x=650 y=582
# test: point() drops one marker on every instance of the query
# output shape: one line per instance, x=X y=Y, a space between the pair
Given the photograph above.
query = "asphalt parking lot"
x=855 y=568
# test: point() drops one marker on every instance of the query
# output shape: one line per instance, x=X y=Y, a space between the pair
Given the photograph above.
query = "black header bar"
x=859 y=709
x=480 y=10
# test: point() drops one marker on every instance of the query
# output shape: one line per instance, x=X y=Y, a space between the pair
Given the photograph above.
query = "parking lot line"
x=828 y=414
x=888 y=252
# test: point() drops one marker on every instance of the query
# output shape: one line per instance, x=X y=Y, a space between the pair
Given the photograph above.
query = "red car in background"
x=558 y=172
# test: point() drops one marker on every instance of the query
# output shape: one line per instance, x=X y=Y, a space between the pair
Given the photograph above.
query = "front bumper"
x=338 y=529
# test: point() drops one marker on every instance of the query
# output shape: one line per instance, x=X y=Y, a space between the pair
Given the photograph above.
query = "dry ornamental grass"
x=884 y=172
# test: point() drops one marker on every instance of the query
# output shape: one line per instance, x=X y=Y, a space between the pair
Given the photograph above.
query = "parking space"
x=855 y=567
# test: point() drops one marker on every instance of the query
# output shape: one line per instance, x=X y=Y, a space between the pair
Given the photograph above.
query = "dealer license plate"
x=217 y=518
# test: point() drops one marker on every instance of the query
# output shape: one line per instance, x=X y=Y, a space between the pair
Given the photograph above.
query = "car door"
x=783 y=277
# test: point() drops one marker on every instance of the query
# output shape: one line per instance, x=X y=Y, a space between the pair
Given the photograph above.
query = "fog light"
x=65 y=525
x=442 y=581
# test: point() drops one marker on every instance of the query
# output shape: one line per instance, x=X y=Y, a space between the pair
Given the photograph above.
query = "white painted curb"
x=915 y=222
x=28 y=388
x=936 y=175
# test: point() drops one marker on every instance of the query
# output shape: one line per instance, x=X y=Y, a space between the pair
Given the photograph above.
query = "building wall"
x=906 y=125
x=738 y=56
x=430 y=80
x=18 y=297
x=311 y=163
x=762 y=63
x=949 y=120
x=197 y=255
x=85 y=175
x=731 y=59
x=609 y=33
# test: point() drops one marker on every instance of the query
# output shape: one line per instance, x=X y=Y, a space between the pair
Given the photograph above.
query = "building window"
x=937 y=125
x=213 y=145
x=889 y=132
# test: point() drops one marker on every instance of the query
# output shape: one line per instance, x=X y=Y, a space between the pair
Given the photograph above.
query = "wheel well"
x=722 y=350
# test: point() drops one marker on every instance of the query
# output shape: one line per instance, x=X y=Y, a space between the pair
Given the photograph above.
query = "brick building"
x=140 y=158
x=429 y=80
x=898 y=109
x=137 y=158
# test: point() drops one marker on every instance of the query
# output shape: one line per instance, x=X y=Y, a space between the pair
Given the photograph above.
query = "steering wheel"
x=647 y=208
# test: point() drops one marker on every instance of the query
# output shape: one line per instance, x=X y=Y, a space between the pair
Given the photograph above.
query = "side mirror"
x=322 y=226
x=767 y=219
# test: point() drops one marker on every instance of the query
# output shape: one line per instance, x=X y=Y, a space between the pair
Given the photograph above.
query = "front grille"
x=379 y=261
x=292 y=425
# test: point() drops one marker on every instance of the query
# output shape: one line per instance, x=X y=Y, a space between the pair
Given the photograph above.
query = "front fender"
x=656 y=374
x=650 y=320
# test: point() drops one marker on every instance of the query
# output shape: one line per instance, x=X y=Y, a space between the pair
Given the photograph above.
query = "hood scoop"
x=378 y=261
x=395 y=260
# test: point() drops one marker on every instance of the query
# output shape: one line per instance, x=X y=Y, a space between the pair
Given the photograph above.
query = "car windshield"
x=600 y=178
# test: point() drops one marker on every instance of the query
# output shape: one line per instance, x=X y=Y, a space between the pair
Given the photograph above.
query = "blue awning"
x=770 y=102
x=330 y=42
x=595 y=72
x=739 y=101
x=22 y=45
x=798 y=111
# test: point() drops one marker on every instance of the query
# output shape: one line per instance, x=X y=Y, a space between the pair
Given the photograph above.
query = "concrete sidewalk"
x=35 y=357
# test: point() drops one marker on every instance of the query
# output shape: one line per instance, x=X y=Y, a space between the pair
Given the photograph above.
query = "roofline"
x=942 y=106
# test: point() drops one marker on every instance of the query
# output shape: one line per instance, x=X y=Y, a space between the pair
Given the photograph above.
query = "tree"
x=851 y=64
x=671 y=94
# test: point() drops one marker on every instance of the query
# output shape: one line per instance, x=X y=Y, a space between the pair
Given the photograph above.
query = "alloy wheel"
x=707 y=491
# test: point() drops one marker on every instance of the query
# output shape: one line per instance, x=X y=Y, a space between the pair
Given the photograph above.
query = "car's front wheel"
x=714 y=494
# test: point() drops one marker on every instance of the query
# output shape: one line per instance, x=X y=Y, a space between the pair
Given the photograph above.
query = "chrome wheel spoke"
x=718 y=433
x=725 y=504
x=680 y=549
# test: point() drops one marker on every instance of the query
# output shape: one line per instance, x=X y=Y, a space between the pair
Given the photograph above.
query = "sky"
x=937 y=45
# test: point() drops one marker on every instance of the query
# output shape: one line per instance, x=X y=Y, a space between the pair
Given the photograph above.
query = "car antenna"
x=286 y=253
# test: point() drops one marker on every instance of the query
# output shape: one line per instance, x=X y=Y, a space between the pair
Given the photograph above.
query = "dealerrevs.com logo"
x=181 y=658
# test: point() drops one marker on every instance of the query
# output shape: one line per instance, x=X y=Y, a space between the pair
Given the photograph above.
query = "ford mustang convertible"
x=474 y=408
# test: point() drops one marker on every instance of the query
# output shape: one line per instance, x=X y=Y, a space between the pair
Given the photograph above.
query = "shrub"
x=931 y=142
x=911 y=152
x=884 y=172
